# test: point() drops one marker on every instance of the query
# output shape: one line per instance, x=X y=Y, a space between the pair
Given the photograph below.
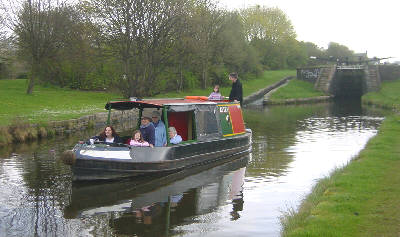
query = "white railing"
x=350 y=67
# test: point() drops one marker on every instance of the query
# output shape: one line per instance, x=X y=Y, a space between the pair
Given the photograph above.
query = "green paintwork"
x=225 y=119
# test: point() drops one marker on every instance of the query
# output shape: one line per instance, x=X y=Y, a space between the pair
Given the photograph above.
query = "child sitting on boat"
x=137 y=139
x=215 y=95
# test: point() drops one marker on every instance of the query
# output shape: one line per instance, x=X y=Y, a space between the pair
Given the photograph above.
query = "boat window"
x=183 y=123
x=206 y=124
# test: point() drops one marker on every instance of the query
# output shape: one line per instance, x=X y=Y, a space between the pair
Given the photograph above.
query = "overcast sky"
x=368 y=25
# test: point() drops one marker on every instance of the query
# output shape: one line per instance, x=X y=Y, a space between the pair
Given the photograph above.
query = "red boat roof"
x=158 y=103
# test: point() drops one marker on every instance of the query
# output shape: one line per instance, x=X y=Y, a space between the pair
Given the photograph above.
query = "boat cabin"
x=194 y=118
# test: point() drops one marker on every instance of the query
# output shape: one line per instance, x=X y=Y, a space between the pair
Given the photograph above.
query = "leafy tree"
x=338 y=51
x=232 y=52
x=271 y=33
x=206 y=23
x=313 y=52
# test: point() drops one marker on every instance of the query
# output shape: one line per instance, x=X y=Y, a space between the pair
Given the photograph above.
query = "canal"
x=293 y=147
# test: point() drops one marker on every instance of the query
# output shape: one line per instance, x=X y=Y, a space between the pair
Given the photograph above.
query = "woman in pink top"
x=137 y=139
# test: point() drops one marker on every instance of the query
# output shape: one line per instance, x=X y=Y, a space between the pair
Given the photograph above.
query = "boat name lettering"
x=223 y=109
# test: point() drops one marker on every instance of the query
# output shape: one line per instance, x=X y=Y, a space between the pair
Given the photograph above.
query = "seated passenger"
x=137 y=139
x=174 y=138
x=148 y=131
x=108 y=135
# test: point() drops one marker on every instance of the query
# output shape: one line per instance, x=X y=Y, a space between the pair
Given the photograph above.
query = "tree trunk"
x=31 y=84
x=204 y=75
x=180 y=86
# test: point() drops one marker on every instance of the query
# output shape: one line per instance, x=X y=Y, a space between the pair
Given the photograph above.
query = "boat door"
x=231 y=119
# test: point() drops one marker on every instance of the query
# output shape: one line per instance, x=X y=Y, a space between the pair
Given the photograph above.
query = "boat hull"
x=93 y=163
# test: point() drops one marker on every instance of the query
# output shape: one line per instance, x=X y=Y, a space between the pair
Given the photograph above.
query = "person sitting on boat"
x=160 y=133
x=137 y=139
x=108 y=136
x=215 y=95
x=148 y=131
x=174 y=138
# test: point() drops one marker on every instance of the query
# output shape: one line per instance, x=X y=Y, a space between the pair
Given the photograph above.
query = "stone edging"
x=93 y=120
x=29 y=132
x=299 y=100
x=262 y=92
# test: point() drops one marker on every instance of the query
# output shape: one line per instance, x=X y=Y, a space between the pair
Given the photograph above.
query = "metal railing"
x=350 y=67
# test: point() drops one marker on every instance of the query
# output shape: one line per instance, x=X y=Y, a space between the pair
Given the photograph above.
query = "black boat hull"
x=154 y=161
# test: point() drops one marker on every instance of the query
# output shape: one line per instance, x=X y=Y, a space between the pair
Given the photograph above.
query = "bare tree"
x=139 y=32
x=38 y=30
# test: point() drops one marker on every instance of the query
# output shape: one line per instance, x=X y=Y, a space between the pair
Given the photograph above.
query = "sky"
x=363 y=26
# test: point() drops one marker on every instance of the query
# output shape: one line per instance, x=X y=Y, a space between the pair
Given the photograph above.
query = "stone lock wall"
x=119 y=119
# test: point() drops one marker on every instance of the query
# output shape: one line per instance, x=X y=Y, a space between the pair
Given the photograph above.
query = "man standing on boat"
x=237 y=90
x=148 y=131
x=160 y=133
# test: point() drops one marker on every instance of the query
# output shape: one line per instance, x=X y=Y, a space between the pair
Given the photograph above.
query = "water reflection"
x=161 y=203
x=293 y=146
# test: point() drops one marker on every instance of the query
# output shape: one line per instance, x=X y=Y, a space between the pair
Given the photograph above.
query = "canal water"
x=293 y=147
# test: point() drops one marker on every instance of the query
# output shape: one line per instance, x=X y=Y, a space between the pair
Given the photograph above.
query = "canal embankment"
x=295 y=92
x=361 y=198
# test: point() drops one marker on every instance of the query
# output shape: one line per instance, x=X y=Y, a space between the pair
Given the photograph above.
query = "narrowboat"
x=210 y=131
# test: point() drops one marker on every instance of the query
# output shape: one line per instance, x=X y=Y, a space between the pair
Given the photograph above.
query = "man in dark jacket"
x=148 y=131
x=237 y=90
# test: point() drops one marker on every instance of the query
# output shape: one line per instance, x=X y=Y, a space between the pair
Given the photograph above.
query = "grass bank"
x=46 y=103
x=362 y=198
x=388 y=96
x=295 y=89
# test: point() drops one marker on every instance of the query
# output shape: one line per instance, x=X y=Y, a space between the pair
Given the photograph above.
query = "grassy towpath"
x=52 y=103
x=362 y=198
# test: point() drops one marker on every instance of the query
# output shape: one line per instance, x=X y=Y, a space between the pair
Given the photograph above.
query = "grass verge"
x=388 y=96
x=46 y=103
x=362 y=198
x=295 y=89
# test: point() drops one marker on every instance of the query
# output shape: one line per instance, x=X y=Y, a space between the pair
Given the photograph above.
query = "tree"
x=140 y=33
x=206 y=22
x=271 y=33
x=39 y=31
x=338 y=51
x=313 y=52
x=231 y=51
